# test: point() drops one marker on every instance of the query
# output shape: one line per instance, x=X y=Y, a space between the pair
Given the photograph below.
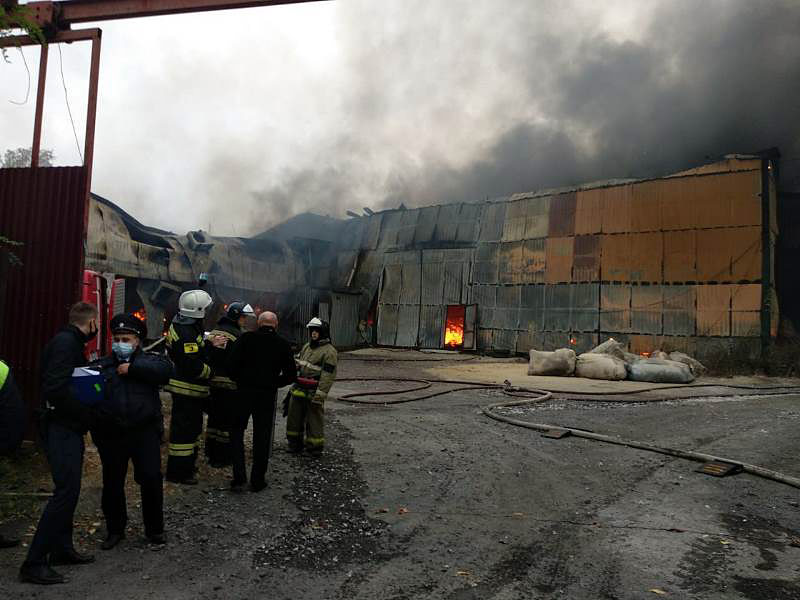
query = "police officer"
x=65 y=423
x=129 y=429
x=223 y=389
x=189 y=387
x=316 y=373
x=261 y=362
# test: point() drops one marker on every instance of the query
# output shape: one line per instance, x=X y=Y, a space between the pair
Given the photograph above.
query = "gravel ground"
x=433 y=500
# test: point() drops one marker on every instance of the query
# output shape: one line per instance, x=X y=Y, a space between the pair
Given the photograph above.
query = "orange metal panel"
x=680 y=256
x=646 y=257
x=615 y=257
x=677 y=210
x=641 y=344
x=746 y=324
x=744 y=189
x=713 y=322
x=646 y=205
x=712 y=205
x=616 y=209
x=714 y=297
x=562 y=215
x=746 y=253
x=714 y=252
x=558 y=265
x=588 y=211
x=533 y=261
x=587 y=258
x=516 y=219
x=724 y=166
x=746 y=296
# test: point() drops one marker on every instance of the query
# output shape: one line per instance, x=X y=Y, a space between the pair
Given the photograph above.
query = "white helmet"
x=315 y=322
x=193 y=304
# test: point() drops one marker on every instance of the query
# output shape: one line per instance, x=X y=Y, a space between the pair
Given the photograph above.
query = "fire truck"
x=107 y=293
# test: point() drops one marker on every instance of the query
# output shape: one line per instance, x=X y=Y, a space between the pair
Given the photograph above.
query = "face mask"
x=92 y=330
x=123 y=350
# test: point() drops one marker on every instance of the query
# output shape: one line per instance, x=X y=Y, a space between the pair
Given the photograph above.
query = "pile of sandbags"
x=612 y=362
x=600 y=366
x=560 y=362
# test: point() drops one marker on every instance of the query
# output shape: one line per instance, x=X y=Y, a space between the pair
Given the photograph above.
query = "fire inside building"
x=685 y=262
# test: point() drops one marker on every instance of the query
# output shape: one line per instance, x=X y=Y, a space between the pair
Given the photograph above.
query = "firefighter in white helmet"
x=316 y=372
x=190 y=386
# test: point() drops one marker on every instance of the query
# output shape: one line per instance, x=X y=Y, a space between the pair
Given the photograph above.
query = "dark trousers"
x=260 y=404
x=142 y=447
x=218 y=427
x=64 y=450
x=185 y=428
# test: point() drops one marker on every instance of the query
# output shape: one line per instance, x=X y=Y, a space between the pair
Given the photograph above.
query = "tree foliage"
x=17 y=16
x=21 y=158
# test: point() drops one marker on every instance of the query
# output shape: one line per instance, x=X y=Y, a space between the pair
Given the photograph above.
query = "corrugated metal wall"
x=45 y=209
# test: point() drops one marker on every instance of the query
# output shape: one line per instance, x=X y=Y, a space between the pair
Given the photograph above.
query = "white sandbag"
x=560 y=362
x=698 y=369
x=655 y=370
x=611 y=347
x=600 y=366
x=659 y=355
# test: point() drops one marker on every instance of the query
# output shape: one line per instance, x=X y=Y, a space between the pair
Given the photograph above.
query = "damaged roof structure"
x=684 y=261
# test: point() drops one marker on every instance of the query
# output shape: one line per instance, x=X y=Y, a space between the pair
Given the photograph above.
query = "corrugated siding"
x=46 y=210
x=344 y=320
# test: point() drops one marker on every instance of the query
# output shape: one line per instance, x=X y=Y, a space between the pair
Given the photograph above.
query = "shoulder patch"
x=190 y=348
x=328 y=368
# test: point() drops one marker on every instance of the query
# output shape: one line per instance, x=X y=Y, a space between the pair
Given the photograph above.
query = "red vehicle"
x=107 y=293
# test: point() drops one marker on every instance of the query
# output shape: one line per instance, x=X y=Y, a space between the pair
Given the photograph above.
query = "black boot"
x=112 y=540
x=70 y=557
x=40 y=574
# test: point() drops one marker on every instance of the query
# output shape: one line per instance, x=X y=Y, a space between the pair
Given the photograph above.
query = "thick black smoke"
x=515 y=96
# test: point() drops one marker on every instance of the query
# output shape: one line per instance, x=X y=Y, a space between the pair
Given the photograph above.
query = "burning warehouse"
x=685 y=262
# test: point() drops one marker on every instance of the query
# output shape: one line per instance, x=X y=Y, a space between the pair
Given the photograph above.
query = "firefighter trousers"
x=306 y=416
x=142 y=447
x=185 y=428
x=218 y=427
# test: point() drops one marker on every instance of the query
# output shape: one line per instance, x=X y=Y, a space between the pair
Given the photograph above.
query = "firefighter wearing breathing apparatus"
x=316 y=370
x=190 y=386
x=223 y=389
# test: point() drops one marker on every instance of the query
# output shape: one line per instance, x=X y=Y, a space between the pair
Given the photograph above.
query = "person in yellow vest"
x=12 y=424
x=187 y=349
x=316 y=373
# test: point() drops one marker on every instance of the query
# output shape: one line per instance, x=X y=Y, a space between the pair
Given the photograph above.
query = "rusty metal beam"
x=37 y=121
x=63 y=14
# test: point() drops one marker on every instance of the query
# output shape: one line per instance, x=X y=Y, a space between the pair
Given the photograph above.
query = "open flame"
x=454 y=327
x=141 y=314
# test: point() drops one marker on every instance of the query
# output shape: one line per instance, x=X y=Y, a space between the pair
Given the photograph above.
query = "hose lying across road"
x=526 y=396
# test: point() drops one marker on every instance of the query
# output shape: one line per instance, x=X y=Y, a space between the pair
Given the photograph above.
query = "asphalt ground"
x=433 y=500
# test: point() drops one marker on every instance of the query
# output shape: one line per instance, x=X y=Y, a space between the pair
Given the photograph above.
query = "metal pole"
x=37 y=122
x=766 y=259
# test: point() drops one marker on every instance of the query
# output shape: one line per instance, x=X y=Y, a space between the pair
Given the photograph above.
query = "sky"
x=233 y=121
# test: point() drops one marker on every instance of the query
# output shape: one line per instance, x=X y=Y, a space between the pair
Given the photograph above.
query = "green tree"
x=21 y=157
x=17 y=16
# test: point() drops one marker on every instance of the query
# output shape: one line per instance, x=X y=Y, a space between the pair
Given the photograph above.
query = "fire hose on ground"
x=526 y=396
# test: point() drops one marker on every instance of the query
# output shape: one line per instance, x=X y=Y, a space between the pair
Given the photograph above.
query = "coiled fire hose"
x=528 y=396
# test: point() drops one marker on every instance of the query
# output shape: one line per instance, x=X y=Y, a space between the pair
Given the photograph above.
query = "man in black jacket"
x=129 y=429
x=12 y=423
x=261 y=362
x=65 y=423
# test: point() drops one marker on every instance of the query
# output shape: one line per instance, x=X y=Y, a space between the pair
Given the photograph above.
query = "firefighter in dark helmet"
x=316 y=372
x=223 y=389
x=190 y=385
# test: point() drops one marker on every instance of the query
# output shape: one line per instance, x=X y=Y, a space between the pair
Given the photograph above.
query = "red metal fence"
x=45 y=210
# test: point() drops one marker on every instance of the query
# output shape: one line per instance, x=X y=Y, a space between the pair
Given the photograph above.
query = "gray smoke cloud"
x=236 y=121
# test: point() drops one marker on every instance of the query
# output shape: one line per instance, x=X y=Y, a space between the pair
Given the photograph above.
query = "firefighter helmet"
x=239 y=309
x=316 y=322
x=193 y=304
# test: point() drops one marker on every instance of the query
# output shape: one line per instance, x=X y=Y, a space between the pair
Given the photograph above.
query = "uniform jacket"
x=188 y=352
x=63 y=354
x=262 y=360
x=132 y=400
x=220 y=357
x=319 y=362
x=12 y=411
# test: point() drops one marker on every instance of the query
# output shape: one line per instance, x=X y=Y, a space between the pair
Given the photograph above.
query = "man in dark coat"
x=129 y=429
x=261 y=362
x=12 y=423
x=65 y=422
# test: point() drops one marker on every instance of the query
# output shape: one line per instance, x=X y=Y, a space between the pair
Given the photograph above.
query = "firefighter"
x=130 y=429
x=223 y=389
x=188 y=351
x=316 y=370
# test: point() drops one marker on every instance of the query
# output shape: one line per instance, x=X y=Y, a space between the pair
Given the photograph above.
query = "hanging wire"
x=28 y=71
x=66 y=99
